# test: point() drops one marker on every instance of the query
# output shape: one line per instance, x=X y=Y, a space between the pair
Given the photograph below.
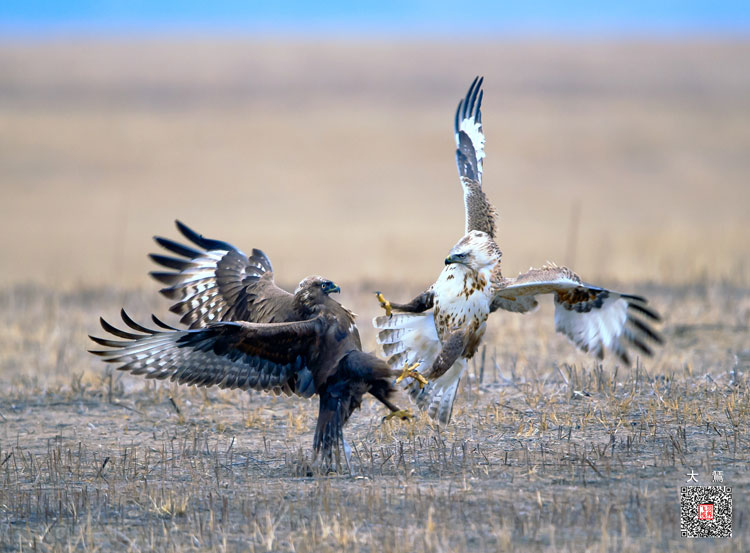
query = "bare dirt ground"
x=336 y=158
x=547 y=452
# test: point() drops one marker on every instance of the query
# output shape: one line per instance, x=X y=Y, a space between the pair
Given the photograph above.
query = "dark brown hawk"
x=245 y=332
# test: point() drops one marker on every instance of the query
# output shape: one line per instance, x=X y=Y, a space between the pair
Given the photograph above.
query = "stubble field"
x=337 y=159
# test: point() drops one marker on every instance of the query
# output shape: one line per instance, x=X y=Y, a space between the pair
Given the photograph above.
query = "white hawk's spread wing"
x=480 y=215
x=469 y=134
x=594 y=318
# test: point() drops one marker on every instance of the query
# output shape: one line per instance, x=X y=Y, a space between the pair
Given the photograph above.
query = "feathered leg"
x=437 y=398
x=421 y=303
x=453 y=347
x=376 y=377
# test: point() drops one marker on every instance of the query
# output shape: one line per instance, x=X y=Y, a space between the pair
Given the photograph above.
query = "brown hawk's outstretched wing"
x=290 y=358
x=480 y=215
x=594 y=318
x=259 y=356
x=219 y=283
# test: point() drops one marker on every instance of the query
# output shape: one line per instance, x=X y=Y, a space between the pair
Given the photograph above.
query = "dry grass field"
x=337 y=158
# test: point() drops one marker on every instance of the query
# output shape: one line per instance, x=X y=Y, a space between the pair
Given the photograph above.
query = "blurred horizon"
x=416 y=19
x=616 y=138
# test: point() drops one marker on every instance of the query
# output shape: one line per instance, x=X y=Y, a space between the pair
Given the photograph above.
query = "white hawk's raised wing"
x=480 y=215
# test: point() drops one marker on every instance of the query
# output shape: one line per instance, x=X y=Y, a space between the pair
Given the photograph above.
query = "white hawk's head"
x=476 y=251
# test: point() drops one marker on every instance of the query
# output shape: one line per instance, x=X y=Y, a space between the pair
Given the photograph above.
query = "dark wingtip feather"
x=175 y=247
x=171 y=293
x=635 y=297
x=108 y=343
x=650 y=313
x=179 y=308
x=170 y=262
x=186 y=231
x=208 y=244
x=467 y=99
x=476 y=85
x=647 y=330
x=134 y=325
x=165 y=278
x=116 y=331
x=470 y=104
x=458 y=118
x=476 y=101
x=461 y=113
x=641 y=346
x=158 y=322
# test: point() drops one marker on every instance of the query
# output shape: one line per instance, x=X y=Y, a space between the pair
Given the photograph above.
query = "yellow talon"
x=403 y=414
x=406 y=371
x=384 y=303
x=419 y=378
x=409 y=371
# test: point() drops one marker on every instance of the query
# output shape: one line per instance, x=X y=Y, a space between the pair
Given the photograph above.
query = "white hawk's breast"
x=462 y=300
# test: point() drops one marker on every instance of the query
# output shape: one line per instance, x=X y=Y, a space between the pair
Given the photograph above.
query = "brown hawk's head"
x=477 y=250
x=314 y=290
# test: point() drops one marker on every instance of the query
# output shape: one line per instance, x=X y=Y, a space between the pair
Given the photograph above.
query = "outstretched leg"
x=410 y=371
x=453 y=347
x=382 y=395
x=421 y=303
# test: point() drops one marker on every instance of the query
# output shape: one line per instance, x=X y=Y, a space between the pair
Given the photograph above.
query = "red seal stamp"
x=706 y=511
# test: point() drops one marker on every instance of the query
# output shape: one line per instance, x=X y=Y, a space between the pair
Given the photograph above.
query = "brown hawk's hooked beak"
x=331 y=288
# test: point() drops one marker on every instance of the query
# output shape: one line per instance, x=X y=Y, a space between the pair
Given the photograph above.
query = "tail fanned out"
x=437 y=398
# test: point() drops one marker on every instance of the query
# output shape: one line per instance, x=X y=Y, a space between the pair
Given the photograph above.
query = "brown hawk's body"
x=244 y=332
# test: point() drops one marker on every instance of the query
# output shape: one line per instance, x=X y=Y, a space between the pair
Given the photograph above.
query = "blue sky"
x=421 y=17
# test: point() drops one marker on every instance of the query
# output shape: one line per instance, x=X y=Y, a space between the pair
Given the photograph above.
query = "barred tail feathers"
x=411 y=338
x=437 y=398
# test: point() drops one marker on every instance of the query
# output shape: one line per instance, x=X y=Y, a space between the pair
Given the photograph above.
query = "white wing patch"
x=595 y=330
x=408 y=338
x=473 y=130
x=594 y=319
x=468 y=133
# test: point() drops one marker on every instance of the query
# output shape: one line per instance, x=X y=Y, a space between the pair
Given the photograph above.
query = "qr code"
x=706 y=511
